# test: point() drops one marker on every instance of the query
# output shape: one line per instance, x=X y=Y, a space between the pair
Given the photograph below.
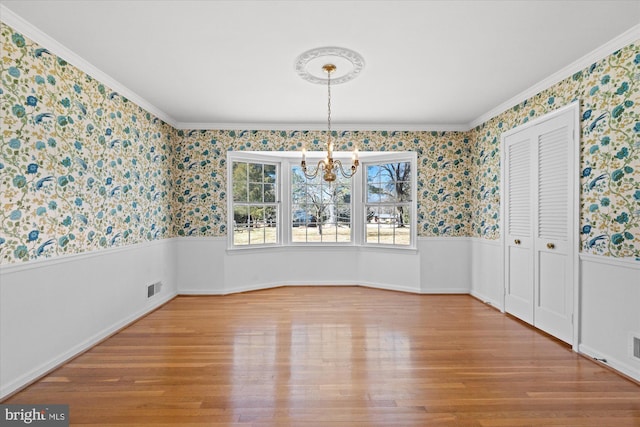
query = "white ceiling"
x=231 y=63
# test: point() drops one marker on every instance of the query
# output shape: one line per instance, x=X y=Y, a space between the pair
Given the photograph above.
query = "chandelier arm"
x=316 y=170
x=354 y=167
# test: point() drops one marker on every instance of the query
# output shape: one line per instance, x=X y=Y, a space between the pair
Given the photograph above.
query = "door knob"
x=517 y=241
x=550 y=245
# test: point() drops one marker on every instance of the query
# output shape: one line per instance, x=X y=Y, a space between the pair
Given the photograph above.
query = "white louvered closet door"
x=553 y=228
x=539 y=179
x=519 y=226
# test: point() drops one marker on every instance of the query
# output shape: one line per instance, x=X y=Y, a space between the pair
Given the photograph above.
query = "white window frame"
x=251 y=157
x=312 y=160
x=391 y=157
x=284 y=161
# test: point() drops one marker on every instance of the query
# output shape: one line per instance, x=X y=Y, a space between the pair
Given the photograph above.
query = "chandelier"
x=329 y=167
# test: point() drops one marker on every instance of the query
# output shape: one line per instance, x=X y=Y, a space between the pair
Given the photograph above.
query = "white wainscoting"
x=445 y=265
x=487 y=283
x=440 y=265
x=51 y=310
x=610 y=311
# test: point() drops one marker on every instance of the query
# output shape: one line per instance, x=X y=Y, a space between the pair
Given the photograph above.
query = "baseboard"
x=25 y=380
x=387 y=287
x=489 y=301
x=265 y=286
x=615 y=364
x=463 y=291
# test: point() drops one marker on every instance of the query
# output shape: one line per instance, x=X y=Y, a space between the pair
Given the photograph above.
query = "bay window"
x=272 y=203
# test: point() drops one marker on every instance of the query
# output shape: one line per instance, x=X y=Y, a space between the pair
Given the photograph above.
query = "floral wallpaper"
x=81 y=167
x=609 y=96
x=443 y=178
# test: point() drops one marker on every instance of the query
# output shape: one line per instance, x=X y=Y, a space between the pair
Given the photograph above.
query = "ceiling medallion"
x=348 y=63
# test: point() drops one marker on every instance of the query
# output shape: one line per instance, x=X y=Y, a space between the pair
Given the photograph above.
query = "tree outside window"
x=388 y=203
x=255 y=211
x=320 y=211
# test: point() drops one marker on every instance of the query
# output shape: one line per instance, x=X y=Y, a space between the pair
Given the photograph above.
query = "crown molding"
x=580 y=64
x=321 y=127
x=27 y=29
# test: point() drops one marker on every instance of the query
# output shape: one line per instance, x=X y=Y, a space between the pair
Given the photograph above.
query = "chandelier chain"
x=329 y=104
x=329 y=166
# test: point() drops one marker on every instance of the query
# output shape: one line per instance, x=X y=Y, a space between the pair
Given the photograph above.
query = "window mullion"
x=285 y=203
x=358 y=210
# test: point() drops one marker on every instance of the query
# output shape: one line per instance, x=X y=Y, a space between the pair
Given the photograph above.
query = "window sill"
x=322 y=247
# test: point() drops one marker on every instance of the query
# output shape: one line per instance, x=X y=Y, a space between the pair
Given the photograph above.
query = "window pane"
x=371 y=234
x=240 y=215
x=344 y=234
x=314 y=233
x=374 y=193
x=270 y=173
x=343 y=214
x=329 y=232
x=270 y=228
x=328 y=194
x=373 y=173
x=240 y=225
x=255 y=192
x=255 y=172
x=239 y=176
x=299 y=227
x=386 y=225
x=403 y=235
x=269 y=193
x=300 y=216
x=404 y=194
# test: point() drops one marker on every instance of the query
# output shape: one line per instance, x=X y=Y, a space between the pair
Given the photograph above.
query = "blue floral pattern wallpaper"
x=609 y=95
x=443 y=178
x=83 y=168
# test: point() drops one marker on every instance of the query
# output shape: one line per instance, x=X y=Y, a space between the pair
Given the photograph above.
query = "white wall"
x=445 y=265
x=610 y=311
x=440 y=265
x=486 y=272
x=50 y=310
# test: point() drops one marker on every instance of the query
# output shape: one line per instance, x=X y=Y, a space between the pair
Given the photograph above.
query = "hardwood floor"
x=335 y=356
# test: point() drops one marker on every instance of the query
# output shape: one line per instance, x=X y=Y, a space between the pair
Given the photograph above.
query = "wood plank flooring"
x=335 y=356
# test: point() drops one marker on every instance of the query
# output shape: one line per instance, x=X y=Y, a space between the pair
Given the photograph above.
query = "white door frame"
x=574 y=249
